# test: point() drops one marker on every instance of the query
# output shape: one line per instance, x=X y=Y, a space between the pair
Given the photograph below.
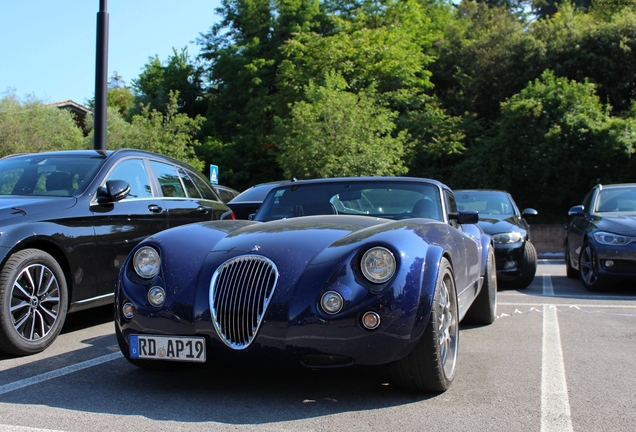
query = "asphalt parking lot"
x=558 y=358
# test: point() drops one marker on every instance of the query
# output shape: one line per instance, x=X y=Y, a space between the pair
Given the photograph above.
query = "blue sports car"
x=372 y=271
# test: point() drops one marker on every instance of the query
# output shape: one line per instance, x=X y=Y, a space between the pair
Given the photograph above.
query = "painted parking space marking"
x=555 y=405
x=58 y=373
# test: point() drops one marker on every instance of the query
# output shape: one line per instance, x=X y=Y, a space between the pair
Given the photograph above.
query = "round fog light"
x=609 y=263
x=128 y=310
x=371 y=320
x=332 y=302
x=156 y=296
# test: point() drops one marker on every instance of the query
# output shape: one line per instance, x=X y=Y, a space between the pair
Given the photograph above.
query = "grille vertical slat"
x=240 y=291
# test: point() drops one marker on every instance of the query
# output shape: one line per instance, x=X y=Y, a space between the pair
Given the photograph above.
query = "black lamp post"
x=101 y=77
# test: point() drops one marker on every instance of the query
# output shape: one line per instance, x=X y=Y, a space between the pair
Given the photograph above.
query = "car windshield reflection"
x=391 y=200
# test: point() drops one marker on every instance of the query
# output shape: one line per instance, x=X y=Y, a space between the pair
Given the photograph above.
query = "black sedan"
x=499 y=216
x=225 y=193
x=67 y=222
x=600 y=245
x=247 y=202
x=330 y=273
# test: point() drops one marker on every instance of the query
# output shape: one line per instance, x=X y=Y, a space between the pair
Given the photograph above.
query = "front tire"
x=588 y=269
x=431 y=365
x=570 y=271
x=483 y=311
x=528 y=267
x=33 y=302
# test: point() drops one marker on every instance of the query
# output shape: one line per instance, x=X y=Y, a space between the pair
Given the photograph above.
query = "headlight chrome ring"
x=378 y=265
x=147 y=262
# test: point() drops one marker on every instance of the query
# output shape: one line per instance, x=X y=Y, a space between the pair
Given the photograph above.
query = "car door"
x=121 y=225
x=467 y=270
x=181 y=197
x=578 y=228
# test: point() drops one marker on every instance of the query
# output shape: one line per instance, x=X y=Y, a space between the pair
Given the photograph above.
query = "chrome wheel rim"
x=35 y=302
x=447 y=328
x=587 y=266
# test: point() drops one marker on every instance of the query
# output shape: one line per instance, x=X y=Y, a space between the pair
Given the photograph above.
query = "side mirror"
x=578 y=210
x=465 y=217
x=529 y=212
x=115 y=190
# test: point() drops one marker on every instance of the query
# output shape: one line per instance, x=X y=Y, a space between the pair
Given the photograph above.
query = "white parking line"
x=555 y=405
x=58 y=373
x=548 y=290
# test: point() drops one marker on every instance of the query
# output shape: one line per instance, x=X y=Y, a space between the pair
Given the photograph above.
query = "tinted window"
x=46 y=174
x=192 y=190
x=134 y=172
x=393 y=200
x=204 y=187
x=621 y=199
x=485 y=202
x=169 y=181
x=255 y=193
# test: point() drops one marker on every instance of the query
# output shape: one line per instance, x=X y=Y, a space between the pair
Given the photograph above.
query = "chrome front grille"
x=240 y=292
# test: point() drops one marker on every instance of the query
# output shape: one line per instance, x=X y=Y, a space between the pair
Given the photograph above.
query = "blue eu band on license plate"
x=175 y=348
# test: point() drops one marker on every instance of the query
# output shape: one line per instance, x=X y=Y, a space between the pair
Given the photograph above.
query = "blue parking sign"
x=214 y=174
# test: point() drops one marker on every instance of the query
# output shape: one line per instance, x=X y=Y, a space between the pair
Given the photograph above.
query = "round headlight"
x=156 y=296
x=378 y=265
x=147 y=262
x=332 y=302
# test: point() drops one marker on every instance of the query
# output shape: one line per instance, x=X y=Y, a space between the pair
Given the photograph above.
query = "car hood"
x=491 y=224
x=303 y=237
x=19 y=206
x=617 y=223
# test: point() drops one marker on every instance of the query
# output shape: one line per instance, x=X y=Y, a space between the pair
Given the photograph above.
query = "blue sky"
x=47 y=47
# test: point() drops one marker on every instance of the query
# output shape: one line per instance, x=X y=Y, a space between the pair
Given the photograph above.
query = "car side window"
x=587 y=202
x=169 y=180
x=134 y=172
x=204 y=187
x=192 y=190
x=451 y=205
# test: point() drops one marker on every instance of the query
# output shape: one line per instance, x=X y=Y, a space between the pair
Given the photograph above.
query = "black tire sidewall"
x=10 y=341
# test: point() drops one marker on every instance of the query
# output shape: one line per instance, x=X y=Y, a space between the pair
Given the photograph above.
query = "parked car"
x=600 y=244
x=67 y=222
x=499 y=216
x=330 y=273
x=225 y=193
x=248 y=201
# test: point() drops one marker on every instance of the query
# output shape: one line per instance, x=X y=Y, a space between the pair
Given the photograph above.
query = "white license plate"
x=176 y=348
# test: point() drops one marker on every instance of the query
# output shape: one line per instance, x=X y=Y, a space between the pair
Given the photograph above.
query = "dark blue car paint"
x=313 y=255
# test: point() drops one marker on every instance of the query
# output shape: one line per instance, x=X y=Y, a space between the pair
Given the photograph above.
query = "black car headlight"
x=610 y=239
x=507 y=238
x=378 y=265
x=147 y=262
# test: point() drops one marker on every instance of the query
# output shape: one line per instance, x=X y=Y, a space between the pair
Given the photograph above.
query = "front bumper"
x=616 y=261
x=509 y=258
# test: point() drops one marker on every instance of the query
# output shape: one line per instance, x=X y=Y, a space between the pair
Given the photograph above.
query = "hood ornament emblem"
x=256 y=248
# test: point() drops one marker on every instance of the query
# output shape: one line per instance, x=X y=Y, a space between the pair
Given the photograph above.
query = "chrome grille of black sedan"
x=240 y=292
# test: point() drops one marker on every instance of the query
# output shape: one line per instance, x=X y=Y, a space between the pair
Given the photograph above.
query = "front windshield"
x=492 y=203
x=388 y=199
x=619 y=199
x=46 y=174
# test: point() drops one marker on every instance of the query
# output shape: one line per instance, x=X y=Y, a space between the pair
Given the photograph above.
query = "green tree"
x=30 y=126
x=337 y=133
x=170 y=133
x=119 y=95
x=179 y=74
x=555 y=140
x=243 y=51
x=593 y=46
